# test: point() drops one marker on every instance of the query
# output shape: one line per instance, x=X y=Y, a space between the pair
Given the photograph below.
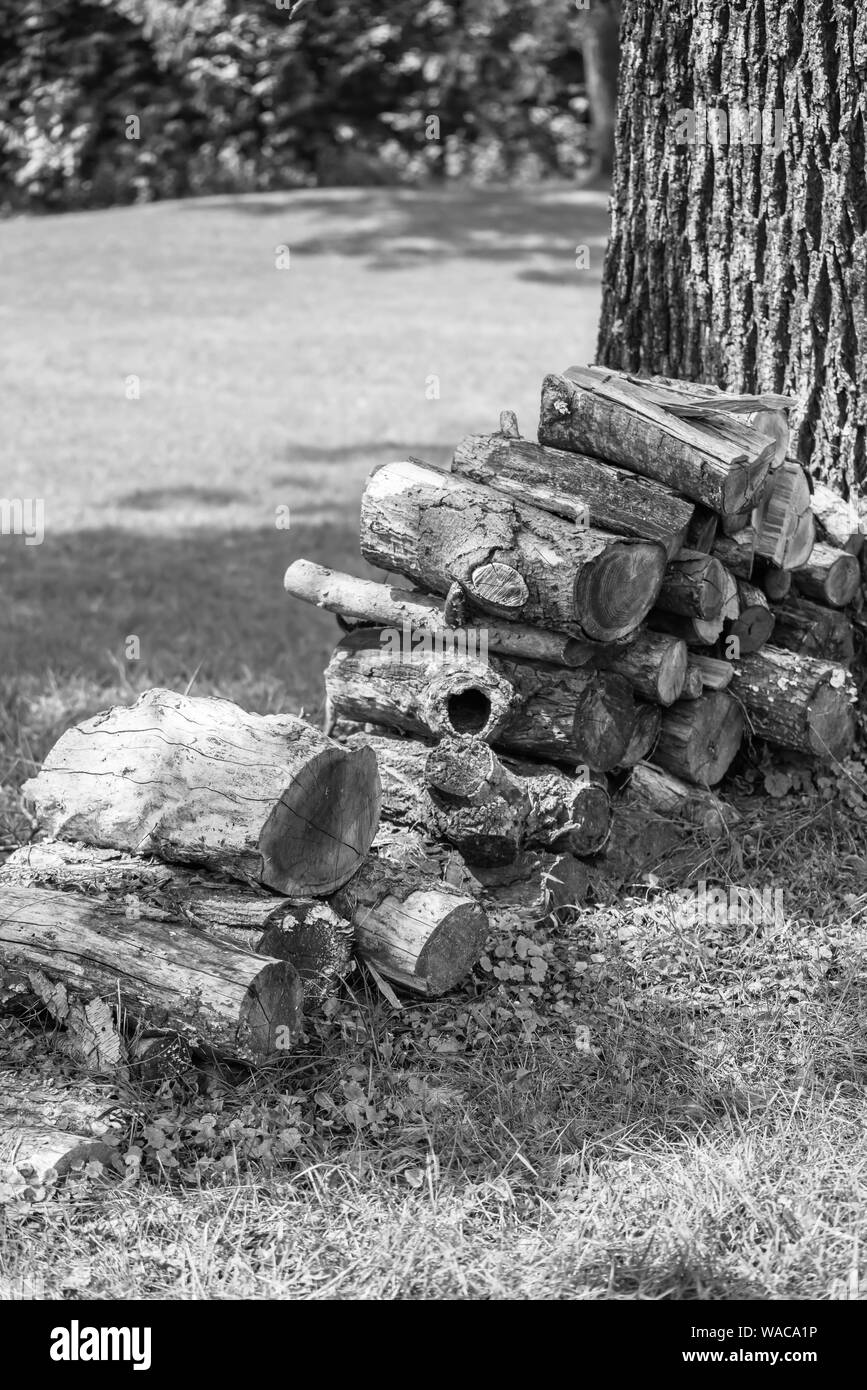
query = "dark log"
x=512 y=561
x=654 y=664
x=797 y=701
x=737 y=552
x=814 y=630
x=671 y=799
x=537 y=887
x=776 y=583
x=265 y=798
x=831 y=576
x=595 y=413
x=755 y=622
x=694 y=586
x=645 y=733
x=699 y=738
x=584 y=490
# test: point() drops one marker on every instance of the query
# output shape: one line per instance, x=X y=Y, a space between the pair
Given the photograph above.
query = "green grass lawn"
x=668 y=1113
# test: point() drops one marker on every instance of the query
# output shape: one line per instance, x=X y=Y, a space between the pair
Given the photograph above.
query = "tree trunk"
x=265 y=798
x=582 y=489
x=736 y=262
x=167 y=975
x=512 y=561
x=797 y=702
x=600 y=50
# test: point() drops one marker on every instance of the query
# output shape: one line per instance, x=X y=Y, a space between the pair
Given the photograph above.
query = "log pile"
x=565 y=627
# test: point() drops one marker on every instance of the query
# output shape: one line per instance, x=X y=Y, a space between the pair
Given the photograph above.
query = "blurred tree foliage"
x=242 y=96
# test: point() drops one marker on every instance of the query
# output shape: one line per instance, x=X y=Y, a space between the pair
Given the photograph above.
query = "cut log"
x=814 y=630
x=797 y=701
x=695 y=632
x=308 y=934
x=715 y=673
x=737 y=552
x=594 y=413
x=831 y=576
x=36 y=1149
x=645 y=733
x=537 y=887
x=265 y=798
x=776 y=583
x=515 y=562
x=841 y=523
x=702 y=531
x=694 y=586
x=459 y=791
x=670 y=798
x=550 y=712
x=755 y=622
x=693 y=685
x=165 y=975
x=419 y=933
x=699 y=400
x=699 y=738
x=782 y=536
x=584 y=490
x=413 y=613
x=654 y=663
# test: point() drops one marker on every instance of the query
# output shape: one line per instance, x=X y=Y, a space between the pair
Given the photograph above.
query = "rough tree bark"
x=736 y=262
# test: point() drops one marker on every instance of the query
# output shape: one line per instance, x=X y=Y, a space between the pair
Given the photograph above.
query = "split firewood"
x=549 y=712
x=694 y=586
x=667 y=796
x=413 y=614
x=654 y=663
x=416 y=931
x=489 y=808
x=309 y=934
x=699 y=738
x=266 y=798
x=595 y=413
x=753 y=626
x=842 y=524
x=585 y=490
x=797 y=701
x=715 y=674
x=164 y=975
x=512 y=561
x=814 y=630
x=831 y=576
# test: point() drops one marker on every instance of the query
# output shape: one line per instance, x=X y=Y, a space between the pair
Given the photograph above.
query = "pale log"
x=782 y=535
x=798 y=702
x=164 y=975
x=585 y=490
x=776 y=583
x=715 y=673
x=265 y=798
x=831 y=576
x=512 y=561
x=693 y=685
x=699 y=738
x=591 y=413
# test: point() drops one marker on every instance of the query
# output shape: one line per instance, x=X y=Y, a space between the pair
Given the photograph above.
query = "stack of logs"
x=628 y=597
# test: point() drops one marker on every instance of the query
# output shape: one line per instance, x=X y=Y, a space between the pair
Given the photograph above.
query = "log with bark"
x=265 y=798
x=489 y=808
x=753 y=626
x=695 y=632
x=784 y=529
x=699 y=738
x=654 y=663
x=163 y=974
x=693 y=685
x=645 y=733
x=798 y=702
x=537 y=887
x=840 y=523
x=549 y=712
x=776 y=583
x=831 y=576
x=584 y=490
x=413 y=613
x=512 y=561
x=694 y=586
x=737 y=552
x=594 y=413
x=814 y=630
x=672 y=799
x=715 y=673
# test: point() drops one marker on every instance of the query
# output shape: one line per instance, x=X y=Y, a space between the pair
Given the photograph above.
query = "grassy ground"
x=631 y=1108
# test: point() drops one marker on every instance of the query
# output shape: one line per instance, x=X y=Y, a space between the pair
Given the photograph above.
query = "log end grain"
x=616 y=591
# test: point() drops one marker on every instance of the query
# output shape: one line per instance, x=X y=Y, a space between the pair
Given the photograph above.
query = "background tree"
x=743 y=263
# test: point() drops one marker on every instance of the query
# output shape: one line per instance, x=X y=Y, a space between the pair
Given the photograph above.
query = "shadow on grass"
x=207 y=600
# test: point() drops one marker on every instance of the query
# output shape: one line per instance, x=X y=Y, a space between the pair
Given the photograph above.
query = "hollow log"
x=672 y=799
x=584 y=490
x=414 y=613
x=594 y=413
x=699 y=738
x=489 y=808
x=163 y=974
x=654 y=663
x=797 y=701
x=693 y=586
x=831 y=576
x=418 y=932
x=550 y=712
x=512 y=561
x=814 y=630
x=841 y=523
x=266 y=798
x=753 y=626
